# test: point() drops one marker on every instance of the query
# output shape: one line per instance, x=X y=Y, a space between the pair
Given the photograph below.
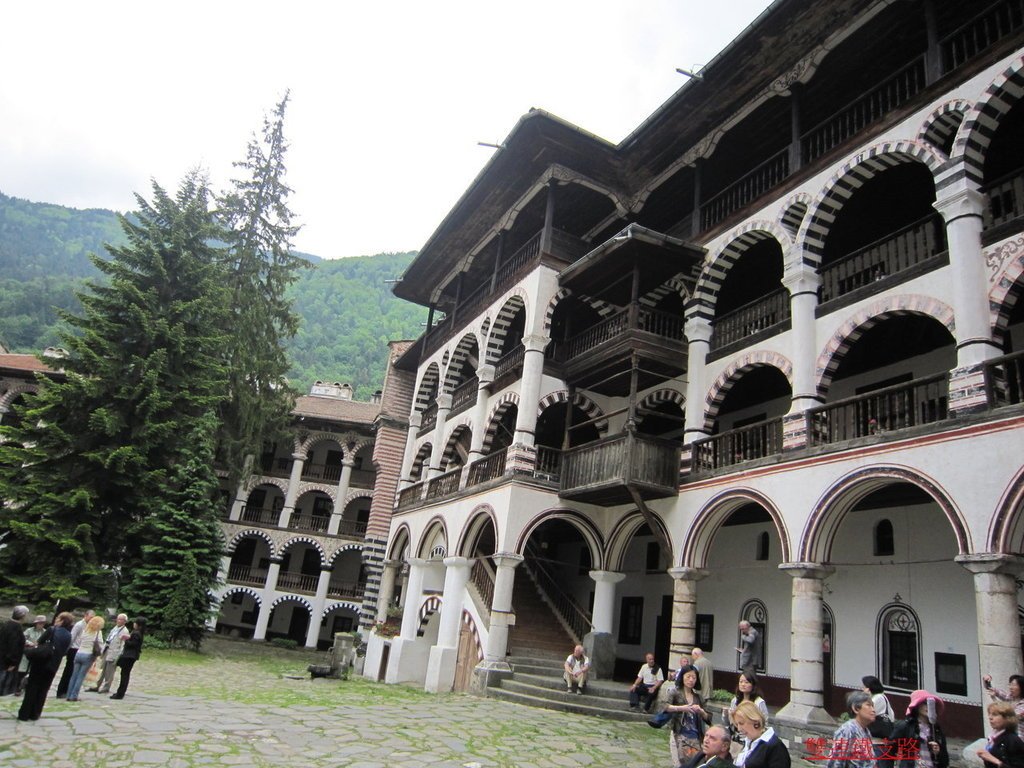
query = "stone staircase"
x=536 y=628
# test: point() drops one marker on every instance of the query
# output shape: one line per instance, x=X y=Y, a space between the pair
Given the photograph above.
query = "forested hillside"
x=347 y=309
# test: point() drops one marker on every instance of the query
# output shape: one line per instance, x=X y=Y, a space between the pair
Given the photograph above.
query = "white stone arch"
x=294 y=599
x=435 y=534
x=255 y=481
x=313 y=439
x=305 y=540
x=621 y=536
x=341 y=550
x=255 y=595
x=314 y=487
x=339 y=604
x=258 y=533
x=717 y=265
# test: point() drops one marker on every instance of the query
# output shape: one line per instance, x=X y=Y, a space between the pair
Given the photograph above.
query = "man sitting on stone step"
x=714 y=750
x=648 y=682
x=577 y=665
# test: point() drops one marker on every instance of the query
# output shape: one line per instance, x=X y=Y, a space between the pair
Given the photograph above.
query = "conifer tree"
x=258 y=222
x=94 y=451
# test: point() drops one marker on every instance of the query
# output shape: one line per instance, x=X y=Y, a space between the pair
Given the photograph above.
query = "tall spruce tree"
x=258 y=222
x=96 y=451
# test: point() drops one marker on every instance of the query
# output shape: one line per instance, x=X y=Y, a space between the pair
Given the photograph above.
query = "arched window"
x=756 y=613
x=899 y=648
x=884 y=540
x=763 y=543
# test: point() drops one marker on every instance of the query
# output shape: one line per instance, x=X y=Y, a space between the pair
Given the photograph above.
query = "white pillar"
x=238 y=505
x=529 y=389
x=995 y=599
x=225 y=567
x=683 y=633
x=698 y=337
x=443 y=655
x=339 y=500
x=316 y=615
x=962 y=208
x=806 y=667
x=802 y=282
x=444 y=407
x=294 y=481
x=501 y=607
x=388 y=576
x=604 y=599
x=269 y=590
x=413 y=592
x=485 y=375
x=415 y=420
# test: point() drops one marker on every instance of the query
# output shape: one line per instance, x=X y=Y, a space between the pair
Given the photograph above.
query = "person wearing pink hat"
x=922 y=726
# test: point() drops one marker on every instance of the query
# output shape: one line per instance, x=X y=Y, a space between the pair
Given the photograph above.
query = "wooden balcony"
x=353 y=591
x=410 y=497
x=488 y=468
x=352 y=529
x=260 y=516
x=756 y=319
x=297 y=582
x=756 y=441
x=246 y=574
x=444 y=485
x=599 y=472
x=464 y=396
x=998 y=21
x=915 y=249
x=508 y=369
x=429 y=419
x=922 y=401
x=745 y=190
x=549 y=464
x=1004 y=380
x=312 y=523
x=327 y=473
x=1005 y=199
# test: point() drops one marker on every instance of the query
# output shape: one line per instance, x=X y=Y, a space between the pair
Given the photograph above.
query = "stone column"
x=415 y=420
x=238 y=505
x=443 y=655
x=529 y=389
x=339 y=499
x=806 y=667
x=495 y=667
x=684 y=611
x=225 y=567
x=269 y=590
x=387 y=587
x=698 y=336
x=600 y=641
x=802 y=282
x=319 y=602
x=444 y=407
x=294 y=481
x=413 y=592
x=485 y=375
x=995 y=599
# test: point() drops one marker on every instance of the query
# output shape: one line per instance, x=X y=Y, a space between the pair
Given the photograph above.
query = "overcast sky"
x=389 y=98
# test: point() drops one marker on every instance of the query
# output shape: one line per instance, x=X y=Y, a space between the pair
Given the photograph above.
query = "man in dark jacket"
x=42 y=670
x=714 y=750
x=12 y=645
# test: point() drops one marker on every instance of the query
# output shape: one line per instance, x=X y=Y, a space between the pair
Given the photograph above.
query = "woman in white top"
x=88 y=650
x=746 y=690
x=884 y=714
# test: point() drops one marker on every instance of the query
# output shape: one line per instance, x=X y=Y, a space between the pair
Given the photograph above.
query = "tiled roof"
x=27 y=363
x=336 y=409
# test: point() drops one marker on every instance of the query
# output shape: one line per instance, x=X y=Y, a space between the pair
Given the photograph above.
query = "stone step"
x=605 y=689
x=569 y=702
x=553 y=664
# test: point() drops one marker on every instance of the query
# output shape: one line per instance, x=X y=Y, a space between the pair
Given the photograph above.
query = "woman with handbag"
x=88 y=650
x=881 y=727
x=689 y=717
x=44 y=661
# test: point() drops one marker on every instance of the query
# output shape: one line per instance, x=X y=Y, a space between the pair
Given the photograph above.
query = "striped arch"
x=603 y=308
x=342 y=549
x=676 y=285
x=706 y=523
x=850 y=177
x=453 y=440
x=716 y=268
x=314 y=487
x=242 y=590
x=622 y=535
x=400 y=542
x=793 y=212
x=982 y=121
x=258 y=533
x=820 y=531
x=420 y=459
x=255 y=481
x=430 y=606
x=1004 y=533
x=358 y=493
x=467 y=619
x=428 y=387
x=437 y=524
x=1006 y=262
x=305 y=540
x=941 y=126
x=658 y=396
x=512 y=306
x=313 y=439
x=583 y=524
x=294 y=599
x=478 y=519
x=581 y=401
x=12 y=394
x=727 y=378
x=883 y=309
x=463 y=352
x=506 y=401
x=354 y=607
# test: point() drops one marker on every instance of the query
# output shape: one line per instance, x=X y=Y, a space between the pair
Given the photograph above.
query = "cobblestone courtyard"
x=234 y=705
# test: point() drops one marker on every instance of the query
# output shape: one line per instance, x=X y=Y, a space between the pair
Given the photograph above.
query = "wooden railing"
x=573 y=615
x=1005 y=199
x=663 y=324
x=352 y=529
x=464 y=395
x=1004 y=380
x=279 y=465
x=759 y=315
x=483 y=580
x=741 y=192
x=549 y=463
x=755 y=441
x=896 y=252
x=410 y=496
x=297 y=582
x=487 y=468
x=255 y=514
x=508 y=368
x=429 y=419
x=983 y=31
x=316 y=523
x=246 y=574
x=352 y=591
x=327 y=472
x=864 y=110
x=623 y=457
x=444 y=485
x=922 y=401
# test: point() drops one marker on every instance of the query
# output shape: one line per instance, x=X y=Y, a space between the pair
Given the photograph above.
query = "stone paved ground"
x=233 y=705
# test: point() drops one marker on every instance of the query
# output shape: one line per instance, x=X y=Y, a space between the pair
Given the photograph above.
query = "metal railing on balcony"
x=352 y=529
x=297 y=582
x=246 y=574
x=1005 y=199
x=351 y=591
x=884 y=258
x=922 y=401
x=315 y=523
x=429 y=419
x=464 y=395
x=754 y=317
x=743 y=191
x=549 y=463
x=996 y=22
x=873 y=105
x=444 y=485
x=482 y=578
x=756 y=441
x=1004 y=380
x=410 y=496
x=488 y=468
x=330 y=473
x=259 y=515
x=573 y=615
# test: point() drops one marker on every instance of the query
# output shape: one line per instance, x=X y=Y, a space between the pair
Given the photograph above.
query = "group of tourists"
x=31 y=657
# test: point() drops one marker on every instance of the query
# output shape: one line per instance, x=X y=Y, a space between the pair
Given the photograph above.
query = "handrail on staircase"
x=482 y=578
x=575 y=619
